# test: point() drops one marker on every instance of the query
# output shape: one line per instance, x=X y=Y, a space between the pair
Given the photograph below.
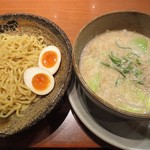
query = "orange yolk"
x=40 y=81
x=49 y=59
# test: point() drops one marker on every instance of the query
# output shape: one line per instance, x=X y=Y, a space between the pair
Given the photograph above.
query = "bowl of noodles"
x=22 y=37
x=111 y=62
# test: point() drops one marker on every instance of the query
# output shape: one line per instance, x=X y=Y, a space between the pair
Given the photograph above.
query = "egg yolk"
x=40 y=81
x=49 y=59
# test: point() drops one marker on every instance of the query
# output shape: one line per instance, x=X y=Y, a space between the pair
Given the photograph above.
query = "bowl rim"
x=110 y=107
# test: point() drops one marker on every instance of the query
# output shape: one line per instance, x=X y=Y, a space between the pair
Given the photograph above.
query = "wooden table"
x=63 y=128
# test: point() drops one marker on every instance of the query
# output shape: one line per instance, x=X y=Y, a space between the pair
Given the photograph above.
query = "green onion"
x=126 y=65
x=138 y=62
x=115 y=59
x=140 y=82
x=105 y=64
x=117 y=81
x=123 y=47
x=120 y=71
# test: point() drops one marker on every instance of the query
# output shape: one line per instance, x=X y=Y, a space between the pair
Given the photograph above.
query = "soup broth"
x=115 y=65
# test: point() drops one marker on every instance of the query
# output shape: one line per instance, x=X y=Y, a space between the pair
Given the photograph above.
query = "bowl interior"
x=132 y=21
x=36 y=25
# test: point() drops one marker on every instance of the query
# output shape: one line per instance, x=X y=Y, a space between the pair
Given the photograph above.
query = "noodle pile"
x=17 y=53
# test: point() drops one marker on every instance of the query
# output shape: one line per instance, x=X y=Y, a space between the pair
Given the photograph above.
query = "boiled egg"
x=50 y=58
x=40 y=81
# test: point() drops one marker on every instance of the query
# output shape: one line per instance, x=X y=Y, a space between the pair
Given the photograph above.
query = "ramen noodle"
x=17 y=53
x=115 y=65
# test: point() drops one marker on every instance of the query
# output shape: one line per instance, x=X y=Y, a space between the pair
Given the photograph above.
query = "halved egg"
x=50 y=58
x=40 y=81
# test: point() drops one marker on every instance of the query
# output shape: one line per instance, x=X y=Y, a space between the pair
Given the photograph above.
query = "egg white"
x=53 y=69
x=31 y=72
